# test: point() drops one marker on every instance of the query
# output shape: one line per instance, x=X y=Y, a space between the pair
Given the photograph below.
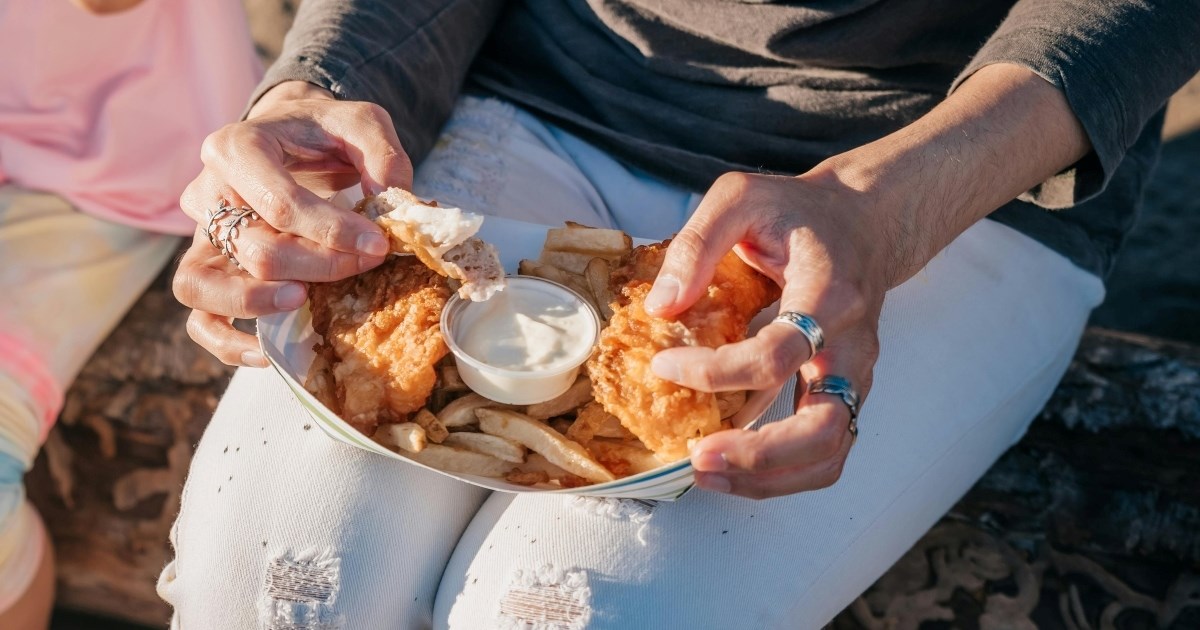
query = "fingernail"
x=253 y=358
x=289 y=297
x=662 y=294
x=708 y=461
x=665 y=367
x=372 y=244
x=715 y=483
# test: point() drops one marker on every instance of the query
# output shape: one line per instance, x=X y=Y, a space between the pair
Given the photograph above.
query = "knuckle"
x=271 y=203
x=377 y=114
x=184 y=284
x=336 y=232
x=852 y=301
x=395 y=159
x=342 y=265
x=195 y=328
x=703 y=376
x=758 y=458
x=687 y=246
x=190 y=198
x=830 y=474
x=241 y=304
x=259 y=260
x=212 y=150
x=829 y=443
x=775 y=366
x=735 y=184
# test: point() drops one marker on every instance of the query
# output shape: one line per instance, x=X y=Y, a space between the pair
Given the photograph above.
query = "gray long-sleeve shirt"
x=689 y=89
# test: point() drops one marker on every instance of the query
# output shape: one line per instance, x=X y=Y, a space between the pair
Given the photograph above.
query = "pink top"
x=110 y=111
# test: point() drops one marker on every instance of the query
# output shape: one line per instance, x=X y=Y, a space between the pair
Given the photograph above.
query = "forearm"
x=409 y=57
x=1002 y=132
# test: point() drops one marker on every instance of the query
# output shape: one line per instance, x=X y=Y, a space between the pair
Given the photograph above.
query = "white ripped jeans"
x=283 y=527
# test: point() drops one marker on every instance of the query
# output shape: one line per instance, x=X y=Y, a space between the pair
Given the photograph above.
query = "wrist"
x=888 y=234
x=286 y=92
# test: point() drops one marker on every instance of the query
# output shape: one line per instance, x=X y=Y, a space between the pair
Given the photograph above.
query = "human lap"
x=394 y=528
x=833 y=164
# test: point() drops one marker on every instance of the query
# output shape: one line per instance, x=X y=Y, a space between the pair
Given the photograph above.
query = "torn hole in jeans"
x=546 y=599
x=299 y=592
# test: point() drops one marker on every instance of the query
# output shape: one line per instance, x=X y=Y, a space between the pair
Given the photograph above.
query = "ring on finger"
x=224 y=225
x=808 y=327
x=840 y=387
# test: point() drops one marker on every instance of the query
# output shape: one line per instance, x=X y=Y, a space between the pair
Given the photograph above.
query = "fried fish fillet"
x=380 y=341
x=442 y=237
x=663 y=415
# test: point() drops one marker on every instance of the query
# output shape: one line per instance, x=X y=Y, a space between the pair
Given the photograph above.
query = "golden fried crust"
x=381 y=340
x=663 y=415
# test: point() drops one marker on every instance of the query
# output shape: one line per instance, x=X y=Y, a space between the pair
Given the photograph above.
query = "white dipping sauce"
x=528 y=330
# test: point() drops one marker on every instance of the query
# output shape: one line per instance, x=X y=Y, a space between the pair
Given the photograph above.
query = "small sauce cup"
x=518 y=386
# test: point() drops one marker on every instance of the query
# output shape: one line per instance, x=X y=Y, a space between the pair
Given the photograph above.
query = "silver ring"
x=807 y=327
x=841 y=388
x=224 y=225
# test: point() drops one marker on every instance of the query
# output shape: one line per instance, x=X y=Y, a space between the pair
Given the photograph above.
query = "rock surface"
x=1091 y=521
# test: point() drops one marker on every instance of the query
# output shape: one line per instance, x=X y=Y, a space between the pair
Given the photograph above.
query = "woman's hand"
x=817 y=239
x=298 y=147
x=836 y=239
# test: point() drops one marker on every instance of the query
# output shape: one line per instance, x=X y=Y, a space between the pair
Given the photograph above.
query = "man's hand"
x=298 y=147
x=836 y=239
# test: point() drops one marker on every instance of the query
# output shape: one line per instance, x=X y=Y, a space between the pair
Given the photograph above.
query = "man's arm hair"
x=1003 y=131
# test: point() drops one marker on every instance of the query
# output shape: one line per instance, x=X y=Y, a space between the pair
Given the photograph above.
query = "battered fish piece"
x=663 y=415
x=380 y=341
x=441 y=236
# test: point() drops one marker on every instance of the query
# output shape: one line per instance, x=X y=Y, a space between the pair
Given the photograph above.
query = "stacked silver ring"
x=224 y=225
x=841 y=388
x=807 y=327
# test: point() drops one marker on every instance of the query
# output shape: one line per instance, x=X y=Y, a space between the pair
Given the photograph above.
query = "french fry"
x=537 y=465
x=611 y=244
x=572 y=281
x=450 y=380
x=530 y=478
x=495 y=446
x=570 y=262
x=461 y=411
x=624 y=457
x=435 y=431
x=593 y=421
x=560 y=424
x=538 y=437
x=597 y=275
x=729 y=403
x=536 y=462
x=462 y=461
x=406 y=436
x=535 y=268
x=577 y=395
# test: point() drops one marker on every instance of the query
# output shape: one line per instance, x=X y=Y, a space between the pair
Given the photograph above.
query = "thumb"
x=370 y=143
x=693 y=255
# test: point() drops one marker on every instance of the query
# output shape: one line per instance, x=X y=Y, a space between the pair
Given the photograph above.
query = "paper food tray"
x=287 y=340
